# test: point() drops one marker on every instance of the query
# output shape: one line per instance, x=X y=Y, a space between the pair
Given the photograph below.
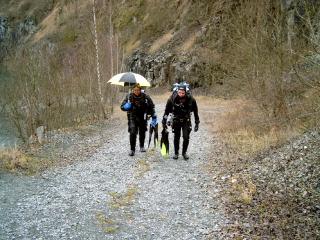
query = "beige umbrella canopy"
x=129 y=79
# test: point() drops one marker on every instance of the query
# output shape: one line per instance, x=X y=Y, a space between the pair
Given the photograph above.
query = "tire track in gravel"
x=113 y=196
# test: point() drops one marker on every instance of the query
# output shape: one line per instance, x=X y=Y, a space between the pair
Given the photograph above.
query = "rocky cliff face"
x=201 y=23
x=3 y=36
x=165 y=67
x=3 y=28
x=25 y=28
x=12 y=34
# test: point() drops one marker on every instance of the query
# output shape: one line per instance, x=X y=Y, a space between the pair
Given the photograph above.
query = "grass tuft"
x=14 y=160
x=243 y=188
x=120 y=200
x=109 y=226
x=142 y=167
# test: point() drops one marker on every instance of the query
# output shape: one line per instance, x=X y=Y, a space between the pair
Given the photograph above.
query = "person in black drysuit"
x=138 y=106
x=181 y=104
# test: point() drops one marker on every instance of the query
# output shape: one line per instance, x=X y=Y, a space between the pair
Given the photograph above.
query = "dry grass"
x=188 y=44
x=121 y=200
x=143 y=166
x=258 y=194
x=22 y=8
x=48 y=25
x=53 y=22
x=161 y=41
x=14 y=160
x=160 y=97
x=249 y=142
x=310 y=108
x=109 y=226
x=243 y=126
x=243 y=188
x=131 y=46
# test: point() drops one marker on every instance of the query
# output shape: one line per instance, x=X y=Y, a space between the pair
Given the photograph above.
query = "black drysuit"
x=142 y=106
x=181 y=109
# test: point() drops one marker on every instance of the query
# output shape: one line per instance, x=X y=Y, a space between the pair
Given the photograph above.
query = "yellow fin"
x=164 y=151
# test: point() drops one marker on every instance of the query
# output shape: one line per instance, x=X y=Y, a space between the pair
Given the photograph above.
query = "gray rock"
x=165 y=67
x=3 y=28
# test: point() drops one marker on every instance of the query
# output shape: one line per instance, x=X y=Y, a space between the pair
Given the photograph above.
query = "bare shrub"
x=55 y=84
x=307 y=68
x=261 y=52
x=51 y=91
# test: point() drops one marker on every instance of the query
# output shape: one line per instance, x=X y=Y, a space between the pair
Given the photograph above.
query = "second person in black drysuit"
x=138 y=106
x=181 y=104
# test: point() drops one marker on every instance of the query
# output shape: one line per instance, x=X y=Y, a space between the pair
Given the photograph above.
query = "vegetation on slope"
x=263 y=56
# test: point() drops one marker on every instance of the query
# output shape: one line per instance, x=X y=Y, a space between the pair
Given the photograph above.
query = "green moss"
x=125 y=15
x=69 y=36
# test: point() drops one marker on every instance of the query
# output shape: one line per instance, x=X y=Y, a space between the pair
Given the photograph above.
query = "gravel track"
x=110 y=195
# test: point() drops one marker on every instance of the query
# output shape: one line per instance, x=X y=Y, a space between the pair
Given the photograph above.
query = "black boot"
x=142 y=149
x=133 y=138
x=185 y=156
x=185 y=148
x=142 y=135
x=176 y=143
x=175 y=156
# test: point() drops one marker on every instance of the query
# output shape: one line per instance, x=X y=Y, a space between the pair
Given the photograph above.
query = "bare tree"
x=111 y=37
x=97 y=56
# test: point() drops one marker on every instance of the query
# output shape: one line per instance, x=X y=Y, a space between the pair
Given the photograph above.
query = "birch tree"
x=111 y=37
x=97 y=57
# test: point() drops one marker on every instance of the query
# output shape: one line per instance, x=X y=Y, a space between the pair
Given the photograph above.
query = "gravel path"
x=110 y=195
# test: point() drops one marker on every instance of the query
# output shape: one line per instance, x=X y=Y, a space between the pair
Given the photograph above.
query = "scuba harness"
x=140 y=106
x=139 y=101
x=181 y=107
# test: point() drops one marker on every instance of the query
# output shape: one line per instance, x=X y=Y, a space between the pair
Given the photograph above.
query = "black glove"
x=196 y=127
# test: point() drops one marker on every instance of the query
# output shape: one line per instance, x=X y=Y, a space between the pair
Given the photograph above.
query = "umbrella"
x=128 y=79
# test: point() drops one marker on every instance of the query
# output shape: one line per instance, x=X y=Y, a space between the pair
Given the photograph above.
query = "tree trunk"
x=97 y=57
x=111 y=37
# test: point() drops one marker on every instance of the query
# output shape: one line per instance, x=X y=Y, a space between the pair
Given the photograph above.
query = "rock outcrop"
x=165 y=67
x=12 y=35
